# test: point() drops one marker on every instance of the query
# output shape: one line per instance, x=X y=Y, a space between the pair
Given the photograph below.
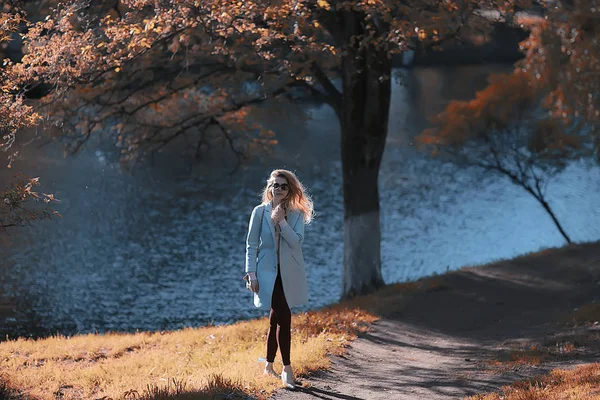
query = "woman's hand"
x=278 y=214
x=252 y=282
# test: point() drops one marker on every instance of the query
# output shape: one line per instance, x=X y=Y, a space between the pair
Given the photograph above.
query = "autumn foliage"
x=563 y=59
x=147 y=72
x=553 y=90
x=507 y=116
x=15 y=114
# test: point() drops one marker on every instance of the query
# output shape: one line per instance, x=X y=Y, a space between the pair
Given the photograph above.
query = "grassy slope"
x=209 y=362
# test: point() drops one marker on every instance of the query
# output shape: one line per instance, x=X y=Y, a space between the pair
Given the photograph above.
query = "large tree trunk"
x=364 y=124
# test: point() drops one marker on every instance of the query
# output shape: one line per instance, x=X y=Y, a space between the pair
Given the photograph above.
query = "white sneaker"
x=269 y=370
x=287 y=378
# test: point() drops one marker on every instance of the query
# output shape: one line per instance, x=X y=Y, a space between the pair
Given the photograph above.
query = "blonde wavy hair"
x=297 y=199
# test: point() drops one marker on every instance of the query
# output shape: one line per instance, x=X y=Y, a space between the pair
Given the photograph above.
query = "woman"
x=274 y=258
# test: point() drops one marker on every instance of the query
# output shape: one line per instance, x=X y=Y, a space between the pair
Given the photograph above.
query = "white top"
x=278 y=227
x=277 y=230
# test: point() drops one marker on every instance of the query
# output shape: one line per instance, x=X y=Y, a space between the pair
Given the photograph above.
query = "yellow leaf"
x=324 y=4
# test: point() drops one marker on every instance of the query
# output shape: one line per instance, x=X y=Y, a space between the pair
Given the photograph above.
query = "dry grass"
x=533 y=355
x=222 y=361
x=204 y=361
x=200 y=363
x=582 y=383
x=588 y=314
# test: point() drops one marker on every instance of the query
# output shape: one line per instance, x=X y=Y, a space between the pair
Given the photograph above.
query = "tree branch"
x=239 y=155
x=334 y=96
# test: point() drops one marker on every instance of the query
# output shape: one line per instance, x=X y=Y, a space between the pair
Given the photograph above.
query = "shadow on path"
x=326 y=394
x=473 y=331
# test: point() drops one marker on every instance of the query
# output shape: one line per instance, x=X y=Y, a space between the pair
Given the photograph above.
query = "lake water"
x=163 y=247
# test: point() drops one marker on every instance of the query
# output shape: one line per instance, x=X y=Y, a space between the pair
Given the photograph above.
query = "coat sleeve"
x=293 y=235
x=252 y=239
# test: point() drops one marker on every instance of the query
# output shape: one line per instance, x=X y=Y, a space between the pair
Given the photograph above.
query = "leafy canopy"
x=150 y=71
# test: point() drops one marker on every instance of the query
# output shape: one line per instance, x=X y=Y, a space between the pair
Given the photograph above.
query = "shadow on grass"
x=217 y=388
x=7 y=393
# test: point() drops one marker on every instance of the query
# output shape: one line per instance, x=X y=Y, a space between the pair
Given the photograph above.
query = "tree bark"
x=364 y=124
x=558 y=225
x=541 y=199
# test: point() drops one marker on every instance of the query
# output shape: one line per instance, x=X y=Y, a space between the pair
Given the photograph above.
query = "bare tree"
x=501 y=132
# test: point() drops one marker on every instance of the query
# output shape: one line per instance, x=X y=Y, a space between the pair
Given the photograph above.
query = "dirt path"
x=473 y=332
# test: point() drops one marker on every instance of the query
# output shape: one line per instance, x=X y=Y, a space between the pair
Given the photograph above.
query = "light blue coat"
x=293 y=269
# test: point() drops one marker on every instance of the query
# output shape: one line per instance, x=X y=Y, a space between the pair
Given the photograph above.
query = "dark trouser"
x=280 y=321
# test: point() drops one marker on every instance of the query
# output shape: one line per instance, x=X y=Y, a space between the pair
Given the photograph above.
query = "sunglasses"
x=283 y=186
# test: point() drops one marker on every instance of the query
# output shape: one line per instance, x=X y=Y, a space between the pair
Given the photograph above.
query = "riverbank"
x=467 y=332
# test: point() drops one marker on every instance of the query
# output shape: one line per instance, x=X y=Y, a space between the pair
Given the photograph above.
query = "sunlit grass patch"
x=200 y=363
x=582 y=383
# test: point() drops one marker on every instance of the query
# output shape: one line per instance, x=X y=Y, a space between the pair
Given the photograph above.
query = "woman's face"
x=280 y=188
